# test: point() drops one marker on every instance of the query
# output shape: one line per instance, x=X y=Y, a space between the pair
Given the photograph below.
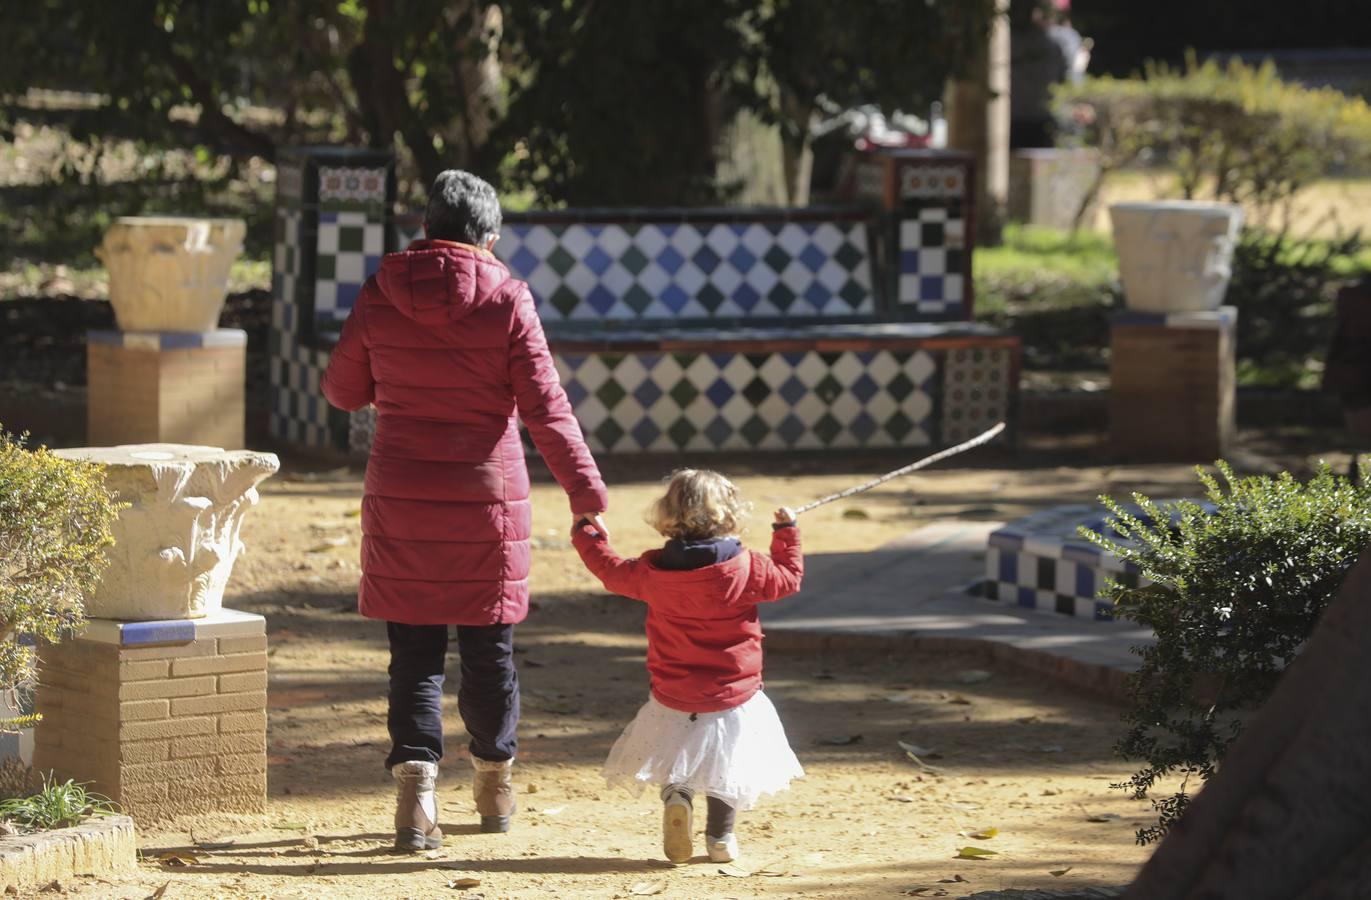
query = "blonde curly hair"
x=699 y=504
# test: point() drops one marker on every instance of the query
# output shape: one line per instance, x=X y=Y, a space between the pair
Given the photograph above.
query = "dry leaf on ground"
x=975 y=853
x=984 y=834
x=647 y=888
x=1058 y=873
x=462 y=884
x=839 y=740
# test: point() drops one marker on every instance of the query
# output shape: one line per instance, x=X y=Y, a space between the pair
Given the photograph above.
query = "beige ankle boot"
x=416 y=806
x=494 y=792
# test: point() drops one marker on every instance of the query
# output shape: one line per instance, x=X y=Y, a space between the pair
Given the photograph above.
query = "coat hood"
x=439 y=282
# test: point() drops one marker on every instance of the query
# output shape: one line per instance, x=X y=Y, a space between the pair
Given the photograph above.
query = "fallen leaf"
x=647 y=888
x=963 y=806
x=856 y=513
x=1028 y=720
x=177 y=858
x=974 y=676
x=984 y=834
x=975 y=853
x=916 y=749
x=293 y=826
x=734 y=871
x=1058 y=873
x=955 y=879
x=770 y=873
x=839 y=740
x=902 y=798
x=531 y=788
x=554 y=810
x=1051 y=792
x=352 y=513
x=822 y=676
x=958 y=700
x=462 y=884
x=1102 y=817
x=902 y=697
x=158 y=894
x=932 y=770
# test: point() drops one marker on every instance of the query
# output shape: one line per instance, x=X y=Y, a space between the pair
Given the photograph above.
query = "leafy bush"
x=55 y=518
x=1235 y=133
x=55 y=806
x=1234 y=594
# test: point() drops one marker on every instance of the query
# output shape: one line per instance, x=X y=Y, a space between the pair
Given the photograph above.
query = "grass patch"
x=55 y=806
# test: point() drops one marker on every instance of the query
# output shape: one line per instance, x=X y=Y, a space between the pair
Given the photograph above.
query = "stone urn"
x=168 y=273
x=175 y=544
x=1175 y=255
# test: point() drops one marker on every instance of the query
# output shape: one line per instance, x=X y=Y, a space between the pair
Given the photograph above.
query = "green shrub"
x=1234 y=595
x=1235 y=133
x=55 y=518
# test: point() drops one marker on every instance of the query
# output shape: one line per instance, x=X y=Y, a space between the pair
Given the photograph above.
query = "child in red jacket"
x=707 y=726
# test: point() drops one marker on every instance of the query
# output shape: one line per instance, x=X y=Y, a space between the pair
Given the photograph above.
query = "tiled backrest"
x=699 y=267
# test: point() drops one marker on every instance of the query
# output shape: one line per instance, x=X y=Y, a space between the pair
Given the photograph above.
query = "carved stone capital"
x=1175 y=256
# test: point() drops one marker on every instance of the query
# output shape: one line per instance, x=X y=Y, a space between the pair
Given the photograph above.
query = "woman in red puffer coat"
x=449 y=348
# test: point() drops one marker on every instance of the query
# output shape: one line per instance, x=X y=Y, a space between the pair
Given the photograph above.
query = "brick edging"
x=1103 y=682
x=101 y=846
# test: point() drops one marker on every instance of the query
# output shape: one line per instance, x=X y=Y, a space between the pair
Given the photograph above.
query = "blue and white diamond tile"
x=705 y=271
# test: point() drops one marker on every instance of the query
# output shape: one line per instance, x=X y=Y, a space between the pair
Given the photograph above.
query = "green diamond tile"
x=848 y=256
x=633 y=260
x=782 y=296
x=561 y=261
x=325 y=266
x=710 y=297
x=637 y=298
x=609 y=433
x=610 y=393
x=685 y=360
x=900 y=387
x=777 y=259
x=828 y=389
x=754 y=430
x=684 y=393
x=681 y=432
x=827 y=428
x=899 y=425
x=756 y=391
x=564 y=300
x=853 y=294
x=612 y=360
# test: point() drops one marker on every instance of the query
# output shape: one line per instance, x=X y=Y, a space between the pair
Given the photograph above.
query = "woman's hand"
x=594 y=519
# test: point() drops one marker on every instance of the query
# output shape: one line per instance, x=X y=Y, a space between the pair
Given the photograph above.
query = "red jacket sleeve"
x=545 y=410
x=347 y=381
x=780 y=575
x=618 y=575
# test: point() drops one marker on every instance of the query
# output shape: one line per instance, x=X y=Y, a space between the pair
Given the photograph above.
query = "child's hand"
x=785 y=516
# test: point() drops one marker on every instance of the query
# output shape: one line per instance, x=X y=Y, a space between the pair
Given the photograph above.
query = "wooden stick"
x=912 y=467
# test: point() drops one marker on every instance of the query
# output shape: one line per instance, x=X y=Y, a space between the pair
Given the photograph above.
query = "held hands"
x=592 y=520
x=785 y=516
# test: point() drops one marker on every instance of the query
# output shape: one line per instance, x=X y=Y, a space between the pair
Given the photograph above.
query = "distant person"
x=1037 y=62
x=1075 y=49
x=449 y=348
x=706 y=728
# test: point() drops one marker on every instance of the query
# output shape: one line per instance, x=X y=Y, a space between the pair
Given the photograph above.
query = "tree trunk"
x=796 y=160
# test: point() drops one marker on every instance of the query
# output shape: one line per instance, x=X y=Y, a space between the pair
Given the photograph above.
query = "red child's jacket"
x=704 y=641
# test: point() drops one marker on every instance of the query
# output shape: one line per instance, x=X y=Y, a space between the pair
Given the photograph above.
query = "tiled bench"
x=699 y=330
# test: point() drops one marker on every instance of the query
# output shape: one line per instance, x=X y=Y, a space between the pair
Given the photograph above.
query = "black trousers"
x=488 y=697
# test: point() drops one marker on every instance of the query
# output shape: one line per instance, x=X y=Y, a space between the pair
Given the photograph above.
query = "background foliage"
x=1234 y=595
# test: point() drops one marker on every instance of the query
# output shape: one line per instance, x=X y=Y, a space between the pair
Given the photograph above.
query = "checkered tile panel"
x=932 y=241
x=350 y=246
x=671 y=271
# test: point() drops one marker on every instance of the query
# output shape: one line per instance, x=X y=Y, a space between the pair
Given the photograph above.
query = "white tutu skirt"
x=736 y=755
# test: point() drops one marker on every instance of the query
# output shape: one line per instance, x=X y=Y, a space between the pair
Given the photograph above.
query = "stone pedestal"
x=1175 y=256
x=1173 y=385
x=1048 y=185
x=165 y=718
x=175 y=545
x=169 y=273
x=172 y=387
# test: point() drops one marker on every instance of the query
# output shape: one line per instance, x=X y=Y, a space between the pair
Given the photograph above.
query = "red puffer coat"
x=449 y=347
x=704 y=641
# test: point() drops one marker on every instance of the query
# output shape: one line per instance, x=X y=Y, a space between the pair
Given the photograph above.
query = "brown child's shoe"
x=416 y=807
x=494 y=792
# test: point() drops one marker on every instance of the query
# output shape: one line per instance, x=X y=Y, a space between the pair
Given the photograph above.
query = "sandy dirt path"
x=1022 y=756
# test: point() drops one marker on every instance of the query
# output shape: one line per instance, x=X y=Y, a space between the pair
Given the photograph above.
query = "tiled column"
x=333 y=224
x=1173 y=384
x=166 y=718
x=170 y=387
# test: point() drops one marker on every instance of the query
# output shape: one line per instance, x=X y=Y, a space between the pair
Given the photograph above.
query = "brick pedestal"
x=166 y=718
x=1172 y=385
x=166 y=387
